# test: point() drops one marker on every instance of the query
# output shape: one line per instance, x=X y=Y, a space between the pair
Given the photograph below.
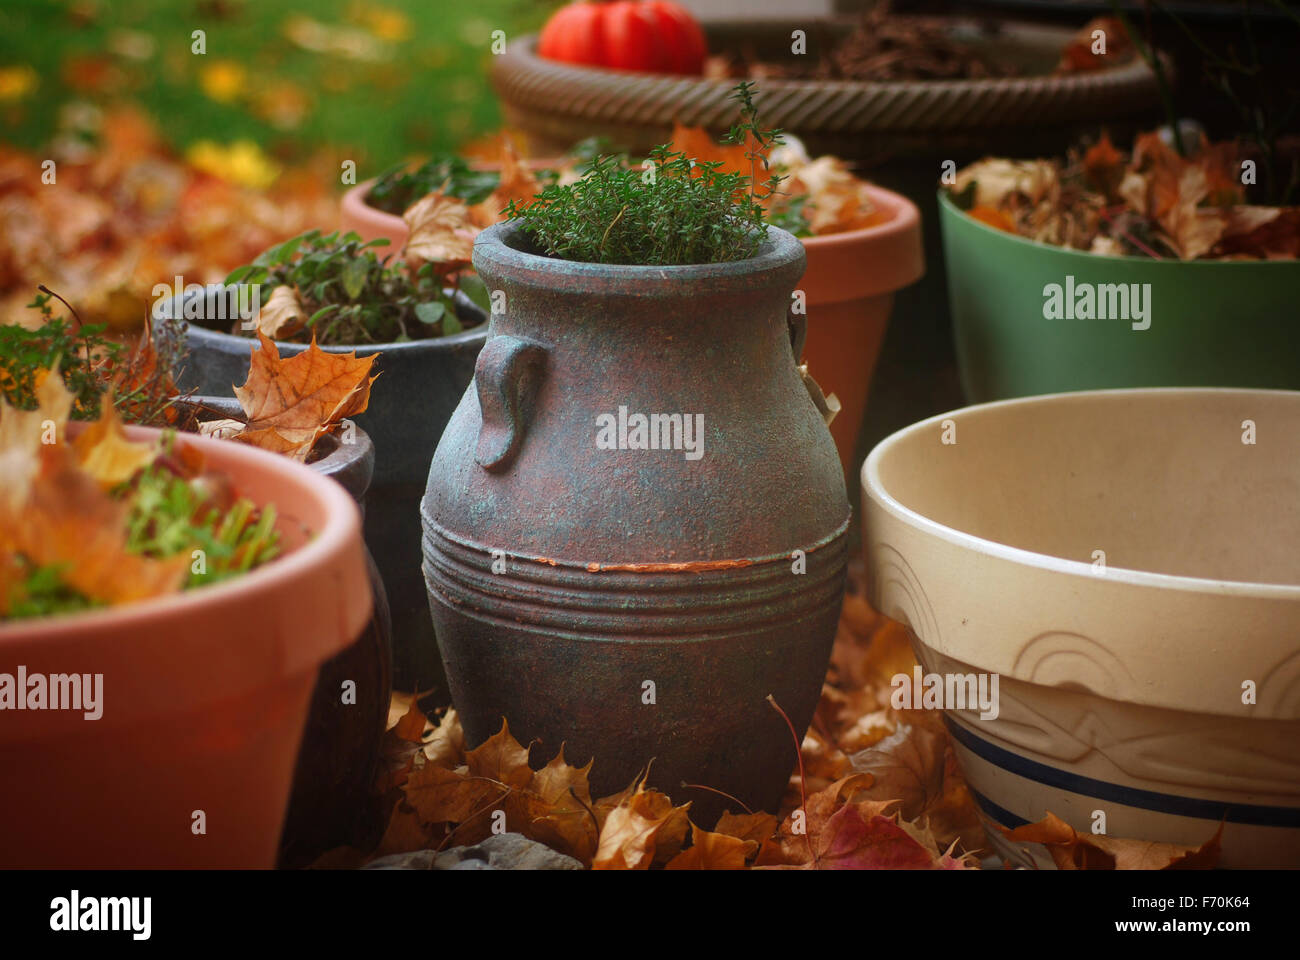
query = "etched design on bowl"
x=1071 y=661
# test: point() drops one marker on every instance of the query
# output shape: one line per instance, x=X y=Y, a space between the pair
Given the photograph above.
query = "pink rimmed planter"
x=205 y=695
x=850 y=285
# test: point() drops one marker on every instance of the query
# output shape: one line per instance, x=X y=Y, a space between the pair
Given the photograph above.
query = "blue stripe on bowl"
x=1001 y=814
x=1215 y=810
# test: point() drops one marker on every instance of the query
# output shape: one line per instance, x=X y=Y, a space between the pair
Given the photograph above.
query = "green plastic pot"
x=1211 y=323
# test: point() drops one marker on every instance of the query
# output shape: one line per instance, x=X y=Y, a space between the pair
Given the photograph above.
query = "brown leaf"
x=21 y=433
x=644 y=827
x=440 y=795
x=907 y=766
x=713 y=851
x=283 y=315
x=501 y=758
x=292 y=403
x=404 y=833
x=104 y=451
x=554 y=781
x=1072 y=850
x=757 y=827
x=441 y=232
x=68 y=521
x=445 y=744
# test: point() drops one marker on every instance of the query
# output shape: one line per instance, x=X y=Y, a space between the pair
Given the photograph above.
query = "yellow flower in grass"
x=241 y=162
x=17 y=82
x=387 y=24
x=223 y=80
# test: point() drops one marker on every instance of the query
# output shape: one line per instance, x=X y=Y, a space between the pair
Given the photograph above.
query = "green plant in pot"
x=635 y=525
x=416 y=314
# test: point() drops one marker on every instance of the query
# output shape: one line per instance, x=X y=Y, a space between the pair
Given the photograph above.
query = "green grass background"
x=430 y=93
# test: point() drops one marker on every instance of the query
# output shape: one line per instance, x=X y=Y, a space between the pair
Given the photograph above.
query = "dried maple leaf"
x=404 y=833
x=445 y=744
x=64 y=519
x=642 y=828
x=757 y=827
x=22 y=432
x=105 y=453
x=440 y=795
x=907 y=766
x=698 y=144
x=1103 y=166
x=997 y=179
x=291 y=403
x=713 y=851
x=1265 y=232
x=1077 y=56
x=501 y=758
x=282 y=315
x=795 y=841
x=993 y=217
x=1072 y=850
x=554 y=781
x=442 y=232
x=858 y=840
x=837 y=201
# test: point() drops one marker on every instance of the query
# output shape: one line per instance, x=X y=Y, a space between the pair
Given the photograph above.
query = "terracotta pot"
x=850 y=284
x=335 y=771
x=421 y=382
x=639 y=604
x=205 y=694
x=1126 y=565
x=371 y=223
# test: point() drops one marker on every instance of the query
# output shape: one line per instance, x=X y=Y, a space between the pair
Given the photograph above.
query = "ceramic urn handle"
x=797 y=323
x=503 y=377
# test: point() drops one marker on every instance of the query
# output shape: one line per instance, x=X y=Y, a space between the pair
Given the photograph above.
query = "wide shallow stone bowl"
x=1125 y=561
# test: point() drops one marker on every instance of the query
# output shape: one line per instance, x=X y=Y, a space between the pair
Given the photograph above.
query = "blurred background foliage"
x=377 y=82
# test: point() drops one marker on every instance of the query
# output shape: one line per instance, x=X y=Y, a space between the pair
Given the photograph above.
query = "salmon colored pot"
x=204 y=695
x=370 y=223
x=850 y=283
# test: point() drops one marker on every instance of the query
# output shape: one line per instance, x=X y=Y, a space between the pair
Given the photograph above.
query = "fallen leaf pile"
x=1151 y=202
x=56 y=511
x=128 y=214
x=290 y=404
x=1072 y=850
x=833 y=199
x=885 y=47
x=877 y=788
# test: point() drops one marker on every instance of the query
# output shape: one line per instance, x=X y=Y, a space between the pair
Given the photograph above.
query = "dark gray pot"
x=341 y=742
x=422 y=382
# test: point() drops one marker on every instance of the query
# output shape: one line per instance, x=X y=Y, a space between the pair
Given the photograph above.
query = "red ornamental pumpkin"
x=654 y=36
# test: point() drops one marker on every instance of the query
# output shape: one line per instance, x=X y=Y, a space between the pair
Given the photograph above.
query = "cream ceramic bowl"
x=1128 y=563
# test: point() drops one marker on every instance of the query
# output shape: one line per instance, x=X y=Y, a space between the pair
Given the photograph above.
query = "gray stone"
x=419 y=860
x=506 y=851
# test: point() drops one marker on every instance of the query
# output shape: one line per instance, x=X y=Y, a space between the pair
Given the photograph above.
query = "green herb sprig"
x=671 y=210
